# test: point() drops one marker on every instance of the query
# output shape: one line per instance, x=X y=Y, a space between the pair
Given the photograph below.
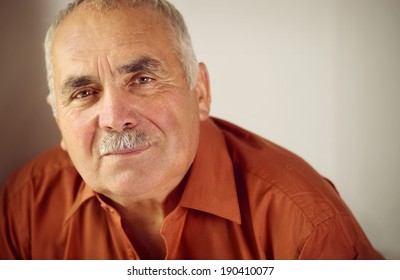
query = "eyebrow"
x=75 y=82
x=143 y=63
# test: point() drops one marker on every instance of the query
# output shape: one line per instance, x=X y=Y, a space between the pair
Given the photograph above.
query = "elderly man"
x=143 y=172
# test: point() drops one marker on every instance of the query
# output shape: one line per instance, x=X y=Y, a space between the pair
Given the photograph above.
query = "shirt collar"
x=84 y=193
x=211 y=183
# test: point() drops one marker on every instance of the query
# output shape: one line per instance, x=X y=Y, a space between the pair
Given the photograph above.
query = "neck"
x=142 y=225
x=142 y=219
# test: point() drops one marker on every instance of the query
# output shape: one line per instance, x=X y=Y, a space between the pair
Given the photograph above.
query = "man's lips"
x=134 y=150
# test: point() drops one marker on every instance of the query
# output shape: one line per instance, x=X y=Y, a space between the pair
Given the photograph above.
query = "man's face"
x=116 y=71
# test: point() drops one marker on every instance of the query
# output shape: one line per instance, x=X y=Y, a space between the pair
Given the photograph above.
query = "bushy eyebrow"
x=75 y=82
x=142 y=63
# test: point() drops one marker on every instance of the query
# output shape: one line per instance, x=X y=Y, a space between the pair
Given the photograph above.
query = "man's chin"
x=116 y=188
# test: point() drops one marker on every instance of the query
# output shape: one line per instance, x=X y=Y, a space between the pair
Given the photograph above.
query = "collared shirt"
x=245 y=198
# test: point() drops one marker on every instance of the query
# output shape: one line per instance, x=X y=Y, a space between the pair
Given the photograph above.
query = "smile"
x=130 y=151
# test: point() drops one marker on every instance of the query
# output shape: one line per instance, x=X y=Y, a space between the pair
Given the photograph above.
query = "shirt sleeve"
x=338 y=238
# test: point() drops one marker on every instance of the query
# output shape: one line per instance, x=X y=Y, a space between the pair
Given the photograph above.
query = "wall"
x=319 y=77
x=26 y=125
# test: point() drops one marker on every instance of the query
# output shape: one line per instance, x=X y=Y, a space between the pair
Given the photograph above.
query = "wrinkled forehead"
x=95 y=43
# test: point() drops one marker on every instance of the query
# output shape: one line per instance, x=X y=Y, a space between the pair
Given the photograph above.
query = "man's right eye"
x=83 y=94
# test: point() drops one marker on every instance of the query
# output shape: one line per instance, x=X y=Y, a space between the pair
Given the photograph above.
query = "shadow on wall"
x=26 y=122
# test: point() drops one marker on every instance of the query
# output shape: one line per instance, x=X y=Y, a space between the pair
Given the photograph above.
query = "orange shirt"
x=245 y=198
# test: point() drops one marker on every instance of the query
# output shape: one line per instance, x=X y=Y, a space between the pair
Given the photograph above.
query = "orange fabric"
x=245 y=198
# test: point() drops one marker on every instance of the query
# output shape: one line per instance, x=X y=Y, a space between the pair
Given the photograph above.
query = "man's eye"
x=142 y=80
x=83 y=94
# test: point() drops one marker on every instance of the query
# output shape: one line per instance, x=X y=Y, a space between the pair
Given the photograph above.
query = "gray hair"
x=180 y=34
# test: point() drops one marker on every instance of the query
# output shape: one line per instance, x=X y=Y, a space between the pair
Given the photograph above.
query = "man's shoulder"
x=46 y=164
x=271 y=173
x=48 y=168
x=263 y=158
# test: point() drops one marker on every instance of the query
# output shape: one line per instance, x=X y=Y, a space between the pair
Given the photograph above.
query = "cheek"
x=174 y=115
x=179 y=120
x=77 y=134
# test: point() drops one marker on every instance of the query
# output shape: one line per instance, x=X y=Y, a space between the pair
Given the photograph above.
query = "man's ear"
x=63 y=146
x=203 y=92
x=48 y=101
x=51 y=102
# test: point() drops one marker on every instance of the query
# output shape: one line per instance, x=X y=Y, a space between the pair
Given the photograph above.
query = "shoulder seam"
x=311 y=220
x=29 y=180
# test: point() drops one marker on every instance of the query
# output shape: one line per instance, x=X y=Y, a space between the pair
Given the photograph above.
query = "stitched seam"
x=275 y=185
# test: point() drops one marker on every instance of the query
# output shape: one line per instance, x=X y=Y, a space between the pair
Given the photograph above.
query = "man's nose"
x=117 y=110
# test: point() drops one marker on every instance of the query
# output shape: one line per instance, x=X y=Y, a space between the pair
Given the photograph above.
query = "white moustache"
x=118 y=141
